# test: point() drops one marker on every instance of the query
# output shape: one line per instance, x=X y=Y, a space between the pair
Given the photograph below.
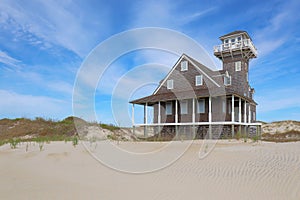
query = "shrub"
x=14 y=142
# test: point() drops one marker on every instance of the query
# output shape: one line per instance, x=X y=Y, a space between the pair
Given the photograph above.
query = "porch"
x=232 y=114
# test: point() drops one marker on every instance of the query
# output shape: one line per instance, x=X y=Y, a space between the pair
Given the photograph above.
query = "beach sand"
x=233 y=170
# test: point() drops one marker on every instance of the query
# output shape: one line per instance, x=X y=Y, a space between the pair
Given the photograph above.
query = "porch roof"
x=201 y=93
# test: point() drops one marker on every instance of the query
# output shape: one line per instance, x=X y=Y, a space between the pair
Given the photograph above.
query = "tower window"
x=184 y=66
x=170 y=84
x=199 y=80
x=227 y=80
x=238 y=66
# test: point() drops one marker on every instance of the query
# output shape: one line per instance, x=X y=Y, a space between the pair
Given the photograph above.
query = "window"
x=239 y=38
x=254 y=116
x=201 y=106
x=238 y=66
x=233 y=40
x=184 y=107
x=169 y=108
x=170 y=84
x=227 y=80
x=184 y=66
x=199 y=80
x=224 y=106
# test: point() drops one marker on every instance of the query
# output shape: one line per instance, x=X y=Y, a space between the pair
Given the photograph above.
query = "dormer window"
x=170 y=84
x=198 y=80
x=184 y=66
x=238 y=66
x=227 y=80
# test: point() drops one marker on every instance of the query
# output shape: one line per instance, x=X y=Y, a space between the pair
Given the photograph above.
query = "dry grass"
x=290 y=136
x=41 y=129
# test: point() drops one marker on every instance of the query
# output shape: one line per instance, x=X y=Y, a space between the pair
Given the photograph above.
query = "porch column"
x=193 y=116
x=245 y=111
x=132 y=119
x=245 y=117
x=232 y=108
x=158 y=116
x=132 y=115
x=176 y=119
x=232 y=115
x=209 y=110
x=176 y=111
x=240 y=114
x=146 y=113
x=240 y=110
x=193 y=110
x=209 y=117
x=158 y=119
x=249 y=114
x=145 y=119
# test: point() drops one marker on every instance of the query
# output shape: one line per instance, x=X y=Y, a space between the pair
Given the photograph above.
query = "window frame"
x=184 y=102
x=184 y=66
x=227 y=78
x=170 y=84
x=224 y=105
x=198 y=106
x=169 y=105
x=201 y=78
x=238 y=66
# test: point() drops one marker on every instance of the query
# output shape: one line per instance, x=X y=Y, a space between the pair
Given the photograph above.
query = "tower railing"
x=246 y=43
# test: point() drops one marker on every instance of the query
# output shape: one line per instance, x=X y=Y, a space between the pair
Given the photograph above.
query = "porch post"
x=132 y=120
x=245 y=117
x=193 y=116
x=145 y=119
x=240 y=113
x=176 y=111
x=249 y=114
x=245 y=111
x=209 y=117
x=232 y=115
x=159 y=118
x=193 y=110
x=240 y=110
x=176 y=118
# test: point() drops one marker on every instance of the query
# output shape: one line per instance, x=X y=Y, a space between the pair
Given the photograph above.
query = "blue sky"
x=43 y=44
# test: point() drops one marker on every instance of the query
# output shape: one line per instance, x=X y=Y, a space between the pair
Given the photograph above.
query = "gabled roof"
x=208 y=73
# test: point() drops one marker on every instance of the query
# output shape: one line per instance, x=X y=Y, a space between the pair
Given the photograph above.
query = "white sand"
x=233 y=170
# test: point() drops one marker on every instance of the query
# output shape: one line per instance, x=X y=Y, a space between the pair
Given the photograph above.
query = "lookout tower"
x=235 y=52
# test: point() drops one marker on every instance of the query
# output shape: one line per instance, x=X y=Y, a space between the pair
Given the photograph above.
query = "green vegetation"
x=75 y=141
x=110 y=127
x=43 y=131
x=14 y=142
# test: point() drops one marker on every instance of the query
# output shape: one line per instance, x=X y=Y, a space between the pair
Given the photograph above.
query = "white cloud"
x=46 y=23
x=8 y=60
x=19 y=105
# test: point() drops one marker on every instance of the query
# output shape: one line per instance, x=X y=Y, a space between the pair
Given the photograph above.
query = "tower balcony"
x=244 y=47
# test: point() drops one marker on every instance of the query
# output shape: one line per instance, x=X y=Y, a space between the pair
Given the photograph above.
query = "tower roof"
x=238 y=32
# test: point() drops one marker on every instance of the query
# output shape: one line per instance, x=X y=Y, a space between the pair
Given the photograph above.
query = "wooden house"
x=194 y=100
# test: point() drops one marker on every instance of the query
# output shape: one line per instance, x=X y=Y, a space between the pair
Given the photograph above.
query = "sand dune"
x=233 y=170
